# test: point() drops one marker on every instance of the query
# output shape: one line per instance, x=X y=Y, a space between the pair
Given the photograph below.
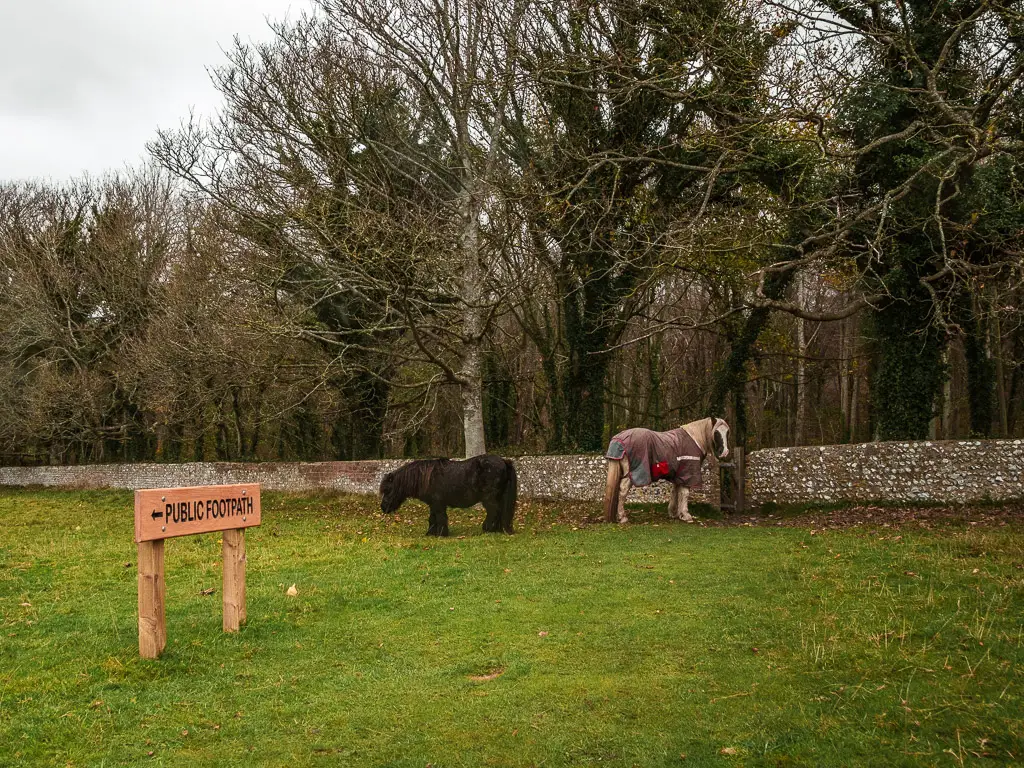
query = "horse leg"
x=682 y=503
x=624 y=485
x=611 y=490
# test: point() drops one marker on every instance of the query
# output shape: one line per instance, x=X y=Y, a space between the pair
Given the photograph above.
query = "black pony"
x=443 y=483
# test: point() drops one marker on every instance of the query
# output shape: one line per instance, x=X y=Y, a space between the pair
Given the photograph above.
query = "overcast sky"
x=85 y=83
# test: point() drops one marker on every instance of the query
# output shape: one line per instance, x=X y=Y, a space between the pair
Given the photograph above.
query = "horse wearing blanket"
x=638 y=457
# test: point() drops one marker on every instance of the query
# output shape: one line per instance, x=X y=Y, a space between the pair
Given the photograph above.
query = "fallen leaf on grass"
x=494 y=674
x=292 y=591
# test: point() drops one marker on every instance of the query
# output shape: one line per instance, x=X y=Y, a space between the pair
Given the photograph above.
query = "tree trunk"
x=471 y=372
x=981 y=369
x=557 y=439
x=732 y=376
x=910 y=370
x=472 y=401
x=854 y=398
x=947 y=399
x=844 y=379
x=585 y=407
x=800 y=428
x=586 y=312
x=996 y=344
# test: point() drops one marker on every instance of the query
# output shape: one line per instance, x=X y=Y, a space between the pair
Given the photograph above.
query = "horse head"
x=391 y=497
x=720 y=437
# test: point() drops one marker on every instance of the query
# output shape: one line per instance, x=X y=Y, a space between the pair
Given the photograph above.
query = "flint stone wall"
x=947 y=471
x=541 y=477
x=927 y=471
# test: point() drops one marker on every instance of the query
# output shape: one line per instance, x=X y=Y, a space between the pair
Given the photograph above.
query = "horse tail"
x=508 y=499
x=611 y=490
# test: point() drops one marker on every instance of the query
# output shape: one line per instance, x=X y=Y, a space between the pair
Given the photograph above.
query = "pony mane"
x=413 y=478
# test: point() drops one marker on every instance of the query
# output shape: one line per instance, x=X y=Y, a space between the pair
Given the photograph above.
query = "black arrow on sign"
x=156 y=514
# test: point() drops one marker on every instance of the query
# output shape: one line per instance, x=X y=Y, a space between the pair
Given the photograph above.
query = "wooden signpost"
x=163 y=513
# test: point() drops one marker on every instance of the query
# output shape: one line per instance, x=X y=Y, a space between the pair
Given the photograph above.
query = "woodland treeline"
x=420 y=228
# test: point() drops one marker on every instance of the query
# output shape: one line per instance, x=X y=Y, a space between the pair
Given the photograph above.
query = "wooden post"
x=741 y=479
x=152 y=623
x=726 y=502
x=234 y=579
x=732 y=484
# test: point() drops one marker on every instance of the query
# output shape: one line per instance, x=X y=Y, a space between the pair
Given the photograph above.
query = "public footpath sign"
x=163 y=513
x=166 y=512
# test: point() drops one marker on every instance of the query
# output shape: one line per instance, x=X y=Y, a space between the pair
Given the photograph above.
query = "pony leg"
x=508 y=499
x=438 y=525
x=492 y=523
x=611 y=490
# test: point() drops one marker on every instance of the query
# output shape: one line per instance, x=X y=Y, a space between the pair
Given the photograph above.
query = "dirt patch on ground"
x=543 y=514
x=883 y=517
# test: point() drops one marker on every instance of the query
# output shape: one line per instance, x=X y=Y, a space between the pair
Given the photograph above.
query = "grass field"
x=653 y=644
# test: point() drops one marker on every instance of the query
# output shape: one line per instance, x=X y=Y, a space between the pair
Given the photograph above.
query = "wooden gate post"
x=152 y=623
x=732 y=483
x=741 y=479
x=234 y=579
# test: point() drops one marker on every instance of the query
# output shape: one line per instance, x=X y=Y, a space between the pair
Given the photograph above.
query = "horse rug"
x=671 y=455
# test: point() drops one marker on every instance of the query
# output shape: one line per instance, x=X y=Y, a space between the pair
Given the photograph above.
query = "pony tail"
x=508 y=499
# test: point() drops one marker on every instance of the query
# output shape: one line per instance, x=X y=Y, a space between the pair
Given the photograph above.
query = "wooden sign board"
x=162 y=513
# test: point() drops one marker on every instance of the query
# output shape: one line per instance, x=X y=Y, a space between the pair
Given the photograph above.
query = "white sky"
x=85 y=83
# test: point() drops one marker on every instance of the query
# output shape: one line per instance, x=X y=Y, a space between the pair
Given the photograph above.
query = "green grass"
x=598 y=644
